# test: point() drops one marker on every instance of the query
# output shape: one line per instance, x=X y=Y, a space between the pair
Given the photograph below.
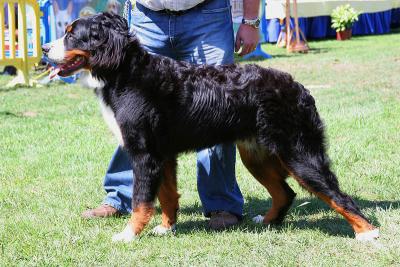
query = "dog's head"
x=97 y=43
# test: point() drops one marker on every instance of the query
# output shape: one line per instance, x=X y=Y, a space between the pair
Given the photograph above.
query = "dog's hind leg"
x=267 y=169
x=312 y=171
x=168 y=197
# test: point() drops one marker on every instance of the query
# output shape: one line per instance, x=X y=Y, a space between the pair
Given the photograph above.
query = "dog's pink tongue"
x=54 y=72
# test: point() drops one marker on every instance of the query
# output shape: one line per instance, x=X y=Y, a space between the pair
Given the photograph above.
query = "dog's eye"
x=69 y=36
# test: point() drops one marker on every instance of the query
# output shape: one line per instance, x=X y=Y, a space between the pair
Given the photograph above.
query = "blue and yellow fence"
x=19 y=44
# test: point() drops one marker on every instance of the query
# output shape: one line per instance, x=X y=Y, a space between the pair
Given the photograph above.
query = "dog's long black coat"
x=165 y=107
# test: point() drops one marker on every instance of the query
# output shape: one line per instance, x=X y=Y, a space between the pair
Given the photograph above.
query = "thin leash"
x=128 y=6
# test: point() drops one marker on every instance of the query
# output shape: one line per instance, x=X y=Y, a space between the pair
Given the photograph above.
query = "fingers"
x=244 y=51
x=238 y=43
x=247 y=48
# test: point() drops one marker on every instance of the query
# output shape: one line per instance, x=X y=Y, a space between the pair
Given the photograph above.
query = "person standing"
x=200 y=32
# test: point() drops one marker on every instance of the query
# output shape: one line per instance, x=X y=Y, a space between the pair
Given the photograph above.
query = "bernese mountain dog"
x=158 y=108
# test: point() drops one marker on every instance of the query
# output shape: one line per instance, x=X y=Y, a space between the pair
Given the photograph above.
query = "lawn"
x=55 y=149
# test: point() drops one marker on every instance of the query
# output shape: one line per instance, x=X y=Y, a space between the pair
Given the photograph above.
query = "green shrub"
x=343 y=17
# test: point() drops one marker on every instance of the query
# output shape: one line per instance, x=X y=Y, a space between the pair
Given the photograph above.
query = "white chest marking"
x=109 y=117
x=87 y=80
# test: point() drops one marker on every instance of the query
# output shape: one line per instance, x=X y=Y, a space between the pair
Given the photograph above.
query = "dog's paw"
x=368 y=236
x=127 y=235
x=162 y=230
x=258 y=219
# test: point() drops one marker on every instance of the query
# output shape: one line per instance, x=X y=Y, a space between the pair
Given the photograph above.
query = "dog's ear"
x=109 y=37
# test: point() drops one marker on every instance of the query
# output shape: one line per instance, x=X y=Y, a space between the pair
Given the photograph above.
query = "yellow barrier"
x=17 y=55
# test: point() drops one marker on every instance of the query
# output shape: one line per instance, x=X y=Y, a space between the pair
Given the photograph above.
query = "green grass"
x=55 y=149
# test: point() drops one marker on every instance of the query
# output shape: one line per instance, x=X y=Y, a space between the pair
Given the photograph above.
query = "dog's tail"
x=307 y=161
x=287 y=113
x=309 y=121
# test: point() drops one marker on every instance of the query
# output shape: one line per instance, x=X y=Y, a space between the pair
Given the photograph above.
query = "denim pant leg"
x=216 y=181
x=210 y=41
x=118 y=182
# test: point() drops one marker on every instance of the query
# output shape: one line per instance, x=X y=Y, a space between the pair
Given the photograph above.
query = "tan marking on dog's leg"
x=141 y=216
x=280 y=198
x=168 y=197
x=269 y=172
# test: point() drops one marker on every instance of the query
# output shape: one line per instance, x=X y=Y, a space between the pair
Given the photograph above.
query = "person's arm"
x=247 y=36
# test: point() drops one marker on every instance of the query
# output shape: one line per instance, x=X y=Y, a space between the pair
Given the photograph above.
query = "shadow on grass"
x=299 y=217
x=282 y=54
x=259 y=59
x=319 y=50
x=9 y=114
x=8 y=89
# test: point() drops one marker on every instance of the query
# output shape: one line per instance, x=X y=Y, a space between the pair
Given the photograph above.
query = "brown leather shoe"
x=102 y=211
x=221 y=220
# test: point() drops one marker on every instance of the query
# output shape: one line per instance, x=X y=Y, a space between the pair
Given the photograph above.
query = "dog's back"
x=230 y=103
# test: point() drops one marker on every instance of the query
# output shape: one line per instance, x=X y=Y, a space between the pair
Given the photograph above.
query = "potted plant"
x=343 y=18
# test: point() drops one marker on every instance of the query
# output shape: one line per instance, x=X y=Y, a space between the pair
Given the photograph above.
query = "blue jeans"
x=203 y=35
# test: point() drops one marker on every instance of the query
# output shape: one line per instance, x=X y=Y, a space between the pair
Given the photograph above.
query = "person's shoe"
x=220 y=220
x=102 y=211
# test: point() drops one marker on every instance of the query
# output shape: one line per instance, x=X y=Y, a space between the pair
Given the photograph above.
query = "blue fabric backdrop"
x=320 y=27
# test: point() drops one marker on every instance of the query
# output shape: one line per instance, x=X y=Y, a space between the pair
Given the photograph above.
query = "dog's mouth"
x=69 y=67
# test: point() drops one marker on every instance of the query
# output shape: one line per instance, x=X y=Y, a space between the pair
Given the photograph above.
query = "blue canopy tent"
x=314 y=19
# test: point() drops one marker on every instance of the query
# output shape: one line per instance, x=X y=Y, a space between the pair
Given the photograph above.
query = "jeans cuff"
x=239 y=217
x=115 y=205
x=238 y=212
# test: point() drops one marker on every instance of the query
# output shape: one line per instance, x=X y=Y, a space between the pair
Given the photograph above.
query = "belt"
x=173 y=12
x=182 y=12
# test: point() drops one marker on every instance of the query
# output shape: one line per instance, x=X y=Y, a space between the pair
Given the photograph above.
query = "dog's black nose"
x=45 y=49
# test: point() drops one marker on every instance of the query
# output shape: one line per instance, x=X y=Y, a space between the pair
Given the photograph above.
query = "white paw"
x=368 y=236
x=162 y=230
x=258 y=219
x=127 y=235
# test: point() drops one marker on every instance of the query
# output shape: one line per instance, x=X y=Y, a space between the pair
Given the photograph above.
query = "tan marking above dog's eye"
x=68 y=28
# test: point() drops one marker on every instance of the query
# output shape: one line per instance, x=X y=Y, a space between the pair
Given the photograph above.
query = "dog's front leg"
x=148 y=172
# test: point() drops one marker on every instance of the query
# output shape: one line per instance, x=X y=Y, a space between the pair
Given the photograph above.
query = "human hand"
x=247 y=38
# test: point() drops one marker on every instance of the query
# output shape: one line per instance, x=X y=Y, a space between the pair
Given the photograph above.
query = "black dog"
x=159 y=108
